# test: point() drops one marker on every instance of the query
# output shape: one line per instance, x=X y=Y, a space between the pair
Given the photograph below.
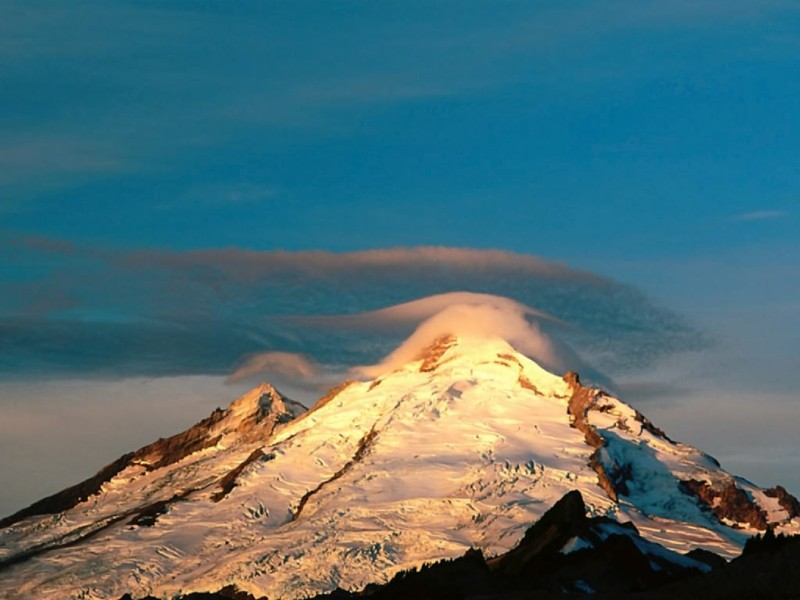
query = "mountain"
x=464 y=447
x=610 y=558
x=616 y=564
x=565 y=553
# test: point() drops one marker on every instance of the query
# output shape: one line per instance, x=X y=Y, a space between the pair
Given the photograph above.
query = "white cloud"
x=413 y=312
x=494 y=317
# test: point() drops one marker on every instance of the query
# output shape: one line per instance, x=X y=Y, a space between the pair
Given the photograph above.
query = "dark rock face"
x=457 y=578
x=149 y=514
x=767 y=569
x=579 y=404
x=613 y=560
x=647 y=425
x=788 y=502
x=364 y=446
x=167 y=451
x=715 y=561
x=730 y=502
x=566 y=519
x=229 y=592
x=526 y=383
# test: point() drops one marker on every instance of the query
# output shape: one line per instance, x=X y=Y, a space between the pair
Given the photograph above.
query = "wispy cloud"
x=120 y=86
x=761 y=215
x=288 y=364
x=165 y=312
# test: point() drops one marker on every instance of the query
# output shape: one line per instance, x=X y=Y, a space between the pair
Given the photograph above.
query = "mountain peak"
x=431 y=355
x=259 y=401
x=464 y=347
x=464 y=443
x=260 y=410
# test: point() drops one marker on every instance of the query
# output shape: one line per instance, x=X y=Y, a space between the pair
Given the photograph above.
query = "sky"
x=195 y=194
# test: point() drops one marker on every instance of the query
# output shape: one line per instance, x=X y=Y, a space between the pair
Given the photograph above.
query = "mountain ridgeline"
x=470 y=459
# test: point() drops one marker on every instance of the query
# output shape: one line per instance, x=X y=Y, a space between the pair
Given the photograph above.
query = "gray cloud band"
x=163 y=312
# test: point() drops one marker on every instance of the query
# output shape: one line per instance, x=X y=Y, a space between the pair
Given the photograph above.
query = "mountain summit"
x=463 y=447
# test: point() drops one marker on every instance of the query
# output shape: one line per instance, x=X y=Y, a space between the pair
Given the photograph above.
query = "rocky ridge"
x=461 y=448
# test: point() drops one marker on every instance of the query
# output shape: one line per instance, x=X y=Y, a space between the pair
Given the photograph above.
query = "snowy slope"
x=464 y=447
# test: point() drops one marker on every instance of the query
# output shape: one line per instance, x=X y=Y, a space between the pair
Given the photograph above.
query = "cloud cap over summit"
x=103 y=311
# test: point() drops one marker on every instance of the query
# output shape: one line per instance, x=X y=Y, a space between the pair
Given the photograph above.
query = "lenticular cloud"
x=466 y=315
x=463 y=314
x=401 y=315
x=119 y=313
x=474 y=321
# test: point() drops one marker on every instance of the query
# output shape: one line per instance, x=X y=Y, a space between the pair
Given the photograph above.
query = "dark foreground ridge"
x=613 y=562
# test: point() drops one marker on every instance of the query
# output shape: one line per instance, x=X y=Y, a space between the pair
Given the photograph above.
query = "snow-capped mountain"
x=465 y=446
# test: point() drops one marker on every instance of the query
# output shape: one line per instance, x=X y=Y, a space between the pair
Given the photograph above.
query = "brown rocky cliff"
x=788 y=502
x=578 y=406
x=727 y=502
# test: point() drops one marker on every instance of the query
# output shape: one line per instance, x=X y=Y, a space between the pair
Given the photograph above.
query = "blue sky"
x=652 y=145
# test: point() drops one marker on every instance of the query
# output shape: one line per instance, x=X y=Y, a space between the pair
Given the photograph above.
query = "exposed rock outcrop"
x=565 y=520
x=386 y=477
x=432 y=355
x=580 y=402
x=611 y=558
x=578 y=406
x=227 y=483
x=766 y=569
x=148 y=515
x=364 y=445
x=788 y=502
x=727 y=502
